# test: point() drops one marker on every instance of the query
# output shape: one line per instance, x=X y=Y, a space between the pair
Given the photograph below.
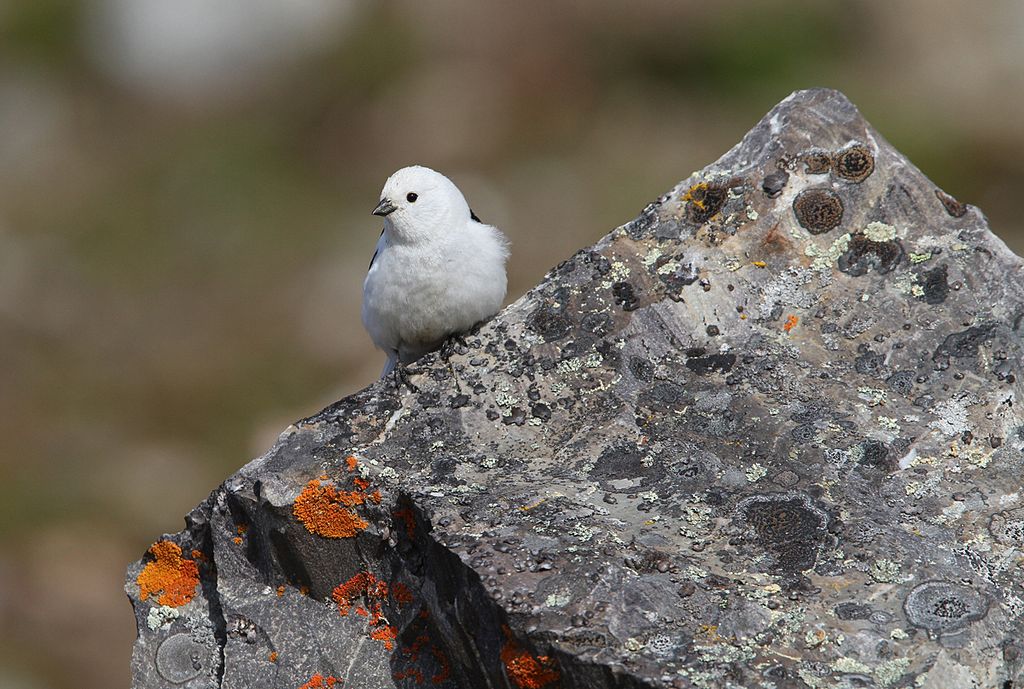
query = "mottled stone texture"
x=765 y=435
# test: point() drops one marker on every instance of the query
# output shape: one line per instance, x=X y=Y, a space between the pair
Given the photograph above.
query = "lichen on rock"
x=766 y=434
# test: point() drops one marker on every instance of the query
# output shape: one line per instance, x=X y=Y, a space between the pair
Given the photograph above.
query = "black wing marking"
x=376 y=251
x=472 y=215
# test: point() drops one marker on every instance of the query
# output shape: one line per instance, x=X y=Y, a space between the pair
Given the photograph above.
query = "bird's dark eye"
x=411 y=197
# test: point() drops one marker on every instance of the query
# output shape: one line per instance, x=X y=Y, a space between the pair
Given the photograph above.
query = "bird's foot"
x=449 y=346
x=401 y=375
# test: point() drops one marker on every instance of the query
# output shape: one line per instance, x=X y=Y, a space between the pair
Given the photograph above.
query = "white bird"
x=437 y=270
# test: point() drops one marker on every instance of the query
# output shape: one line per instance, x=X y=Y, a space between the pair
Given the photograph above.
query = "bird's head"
x=417 y=203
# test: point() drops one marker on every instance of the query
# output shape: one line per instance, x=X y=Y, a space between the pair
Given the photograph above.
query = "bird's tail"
x=389 y=366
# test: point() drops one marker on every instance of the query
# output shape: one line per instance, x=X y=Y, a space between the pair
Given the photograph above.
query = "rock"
x=763 y=435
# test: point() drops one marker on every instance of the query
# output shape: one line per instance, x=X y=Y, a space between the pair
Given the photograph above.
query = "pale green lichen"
x=824 y=261
x=619 y=272
x=952 y=415
x=873 y=396
x=886 y=571
x=756 y=472
x=880 y=232
x=888 y=423
x=888 y=672
x=505 y=400
x=920 y=258
x=695 y=572
x=557 y=600
x=812 y=680
x=651 y=257
x=161 y=617
x=850 y=666
x=905 y=283
x=898 y=634
x=815 y=637
x=670 y=267
x=576 y=363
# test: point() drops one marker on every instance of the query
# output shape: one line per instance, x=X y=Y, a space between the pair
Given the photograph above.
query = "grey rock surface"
x=765 y=435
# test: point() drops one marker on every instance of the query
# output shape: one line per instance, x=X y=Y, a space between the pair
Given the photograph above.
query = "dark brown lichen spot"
x=704 y=200
x=875 y=453
x=817 y=162
x=962 y=345
x=550 y=322
x=901 y=382
x=818 y=210
x=851 y=610
x=704 y=364
x=789 y=526
x=864 y=254
x=675 y=274
x=621 y=467
x=952 y=206
x=625 y=296
x=869 y=363
x=853 y=164
x=934 y=284
x=774 y=183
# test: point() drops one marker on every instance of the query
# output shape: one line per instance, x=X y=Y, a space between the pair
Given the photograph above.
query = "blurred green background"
x=185 y=190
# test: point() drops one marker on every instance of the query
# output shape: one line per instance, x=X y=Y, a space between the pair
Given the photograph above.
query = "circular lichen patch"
x=853 y=164
x=818 y=210
x=942 y=607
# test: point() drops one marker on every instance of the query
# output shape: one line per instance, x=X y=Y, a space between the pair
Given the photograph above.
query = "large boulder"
x=765 y=435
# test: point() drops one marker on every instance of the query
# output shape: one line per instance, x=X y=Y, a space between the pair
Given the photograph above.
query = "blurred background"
x=185 y=189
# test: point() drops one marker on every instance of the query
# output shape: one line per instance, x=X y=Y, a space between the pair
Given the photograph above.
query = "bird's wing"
x=472 y=215
x=376 y=250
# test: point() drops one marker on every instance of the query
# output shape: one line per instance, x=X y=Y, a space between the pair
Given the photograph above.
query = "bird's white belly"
x=413 y=308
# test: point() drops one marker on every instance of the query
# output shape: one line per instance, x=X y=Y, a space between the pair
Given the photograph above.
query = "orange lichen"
x=362 y=584
x=412 y=673
x=373 y=594
x=411 y=654
x=361 y=483
x=237 y=540
x=318 y=681
x=790 y=323
x=401 y=593
x=169 y=574
x=442 y=661
x=304 y=590
x=526 y=670
x=280 y=590
x=198 y=555
x=241 y=529
x=387 y=634
x=352 y=463
x=375 y=496
x=759 y=264
x=272 y=657
x=322 y=510
x=695 y=195
x=406 y=515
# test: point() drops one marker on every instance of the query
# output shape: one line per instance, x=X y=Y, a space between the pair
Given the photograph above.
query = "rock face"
x=765 y=435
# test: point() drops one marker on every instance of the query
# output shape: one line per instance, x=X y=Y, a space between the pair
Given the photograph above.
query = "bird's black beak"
x=385 y=207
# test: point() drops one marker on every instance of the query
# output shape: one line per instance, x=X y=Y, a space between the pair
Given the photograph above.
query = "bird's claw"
x=447 y=349
x=401 y=377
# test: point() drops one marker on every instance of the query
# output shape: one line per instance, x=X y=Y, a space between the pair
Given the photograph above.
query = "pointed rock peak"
x=754 y=435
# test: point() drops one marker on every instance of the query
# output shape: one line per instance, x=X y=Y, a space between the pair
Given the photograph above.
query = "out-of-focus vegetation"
x=185 y=191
